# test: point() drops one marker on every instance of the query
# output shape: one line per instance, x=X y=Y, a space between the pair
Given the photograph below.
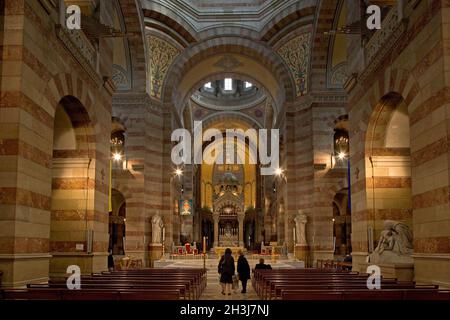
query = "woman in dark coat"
x=226 y=270
x=243 y=270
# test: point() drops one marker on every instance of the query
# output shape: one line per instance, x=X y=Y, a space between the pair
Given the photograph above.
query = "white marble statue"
x=300 y=228
x=395 y=244
x=157 y=225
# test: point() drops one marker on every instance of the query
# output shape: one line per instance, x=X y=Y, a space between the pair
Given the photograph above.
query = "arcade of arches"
x=86 y=119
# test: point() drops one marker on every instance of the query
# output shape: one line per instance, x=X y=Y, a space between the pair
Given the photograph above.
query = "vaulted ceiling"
x=279 y=45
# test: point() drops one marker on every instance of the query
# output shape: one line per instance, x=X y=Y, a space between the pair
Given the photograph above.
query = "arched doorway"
x=117 y=223
x=73 y=186
x=389 y=163
x=341 y=223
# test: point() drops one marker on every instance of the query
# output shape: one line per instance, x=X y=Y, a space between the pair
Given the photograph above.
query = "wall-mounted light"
x=178 y=172
x=342 y=155
x=117 y=156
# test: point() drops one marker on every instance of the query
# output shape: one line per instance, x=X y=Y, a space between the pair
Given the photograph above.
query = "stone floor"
x=213 y=289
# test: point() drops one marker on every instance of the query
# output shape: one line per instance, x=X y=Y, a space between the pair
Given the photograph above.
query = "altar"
x=220 y=251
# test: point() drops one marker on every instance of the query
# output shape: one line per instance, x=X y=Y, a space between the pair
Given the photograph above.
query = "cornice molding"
x=136 y=99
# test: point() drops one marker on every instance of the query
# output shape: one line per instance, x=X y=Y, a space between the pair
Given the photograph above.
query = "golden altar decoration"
x=220 y=251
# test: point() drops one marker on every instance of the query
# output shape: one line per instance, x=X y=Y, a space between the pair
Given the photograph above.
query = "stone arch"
x=393 y=80
x=73 y=183
x=381 y=117
x=235 y=75
x=235 y=120
x=118 y=200
x=389 y=185
x=325 y=13
x=170 y=19
x=295 y=12
x=242 y=120
x=123 y=189
x=64 y=84
x=238 y=52
x=134 y=24
x=220 y=31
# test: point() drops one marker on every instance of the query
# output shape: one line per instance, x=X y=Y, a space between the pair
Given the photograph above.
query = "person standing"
x=243 y=269
x=226 y=270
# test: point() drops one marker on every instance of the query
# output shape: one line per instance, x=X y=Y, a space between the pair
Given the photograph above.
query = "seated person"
x=348 y=259
x=110 y=261
x=262 y=265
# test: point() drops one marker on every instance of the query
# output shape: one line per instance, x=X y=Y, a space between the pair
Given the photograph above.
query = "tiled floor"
x=213 y=289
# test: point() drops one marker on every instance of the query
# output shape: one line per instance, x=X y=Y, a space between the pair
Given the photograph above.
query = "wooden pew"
x=182 y=292
x=382 y=294
x=143 y=284
x=299 y=284
x=276 y=293
x=88 y=294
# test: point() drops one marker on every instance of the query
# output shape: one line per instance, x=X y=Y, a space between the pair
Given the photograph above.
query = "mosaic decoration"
x=162 y=55
x=295 y=54
x=185 y=207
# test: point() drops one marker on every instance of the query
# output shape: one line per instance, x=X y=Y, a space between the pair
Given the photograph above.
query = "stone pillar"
x=301 y=244
x=155 y=251
x=241 y=230
x=144 y=121
x=216 y=229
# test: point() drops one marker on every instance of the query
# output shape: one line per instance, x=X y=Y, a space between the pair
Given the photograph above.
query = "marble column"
x=216 y=229
x=241 y=230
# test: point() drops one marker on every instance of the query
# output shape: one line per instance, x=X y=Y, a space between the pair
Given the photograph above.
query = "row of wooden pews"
x=143 y=284
x=332 y=284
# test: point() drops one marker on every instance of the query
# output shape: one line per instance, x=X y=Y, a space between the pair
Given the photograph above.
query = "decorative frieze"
x=382 y=42
x=136 y=99
x=162 y=55
x=80 y=47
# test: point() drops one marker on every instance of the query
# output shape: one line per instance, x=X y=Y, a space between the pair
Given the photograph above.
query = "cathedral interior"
x=361 y=119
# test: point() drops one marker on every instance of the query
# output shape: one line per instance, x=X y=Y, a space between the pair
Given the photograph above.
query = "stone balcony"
x=383 y=41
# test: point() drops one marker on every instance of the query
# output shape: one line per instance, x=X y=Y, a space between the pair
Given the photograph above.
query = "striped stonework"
x=408 y=184
x=45 y=202
x=140 y=180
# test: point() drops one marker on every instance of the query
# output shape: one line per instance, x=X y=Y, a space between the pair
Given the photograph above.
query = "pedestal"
x=301 y=252
x=401 y=271
x=155 y=251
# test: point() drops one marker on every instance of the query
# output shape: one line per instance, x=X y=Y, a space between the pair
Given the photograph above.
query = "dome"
x=228 y=94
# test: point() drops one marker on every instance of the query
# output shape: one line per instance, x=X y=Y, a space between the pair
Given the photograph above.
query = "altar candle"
x=164 y=234
x=293 y=237
x=204 y=245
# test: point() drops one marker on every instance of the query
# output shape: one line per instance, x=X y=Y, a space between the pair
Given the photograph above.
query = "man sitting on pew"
x=262 y=265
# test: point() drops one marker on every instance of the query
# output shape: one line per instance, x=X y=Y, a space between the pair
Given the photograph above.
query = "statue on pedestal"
x=157 y=225
x=300 y=228
x=395 y=244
